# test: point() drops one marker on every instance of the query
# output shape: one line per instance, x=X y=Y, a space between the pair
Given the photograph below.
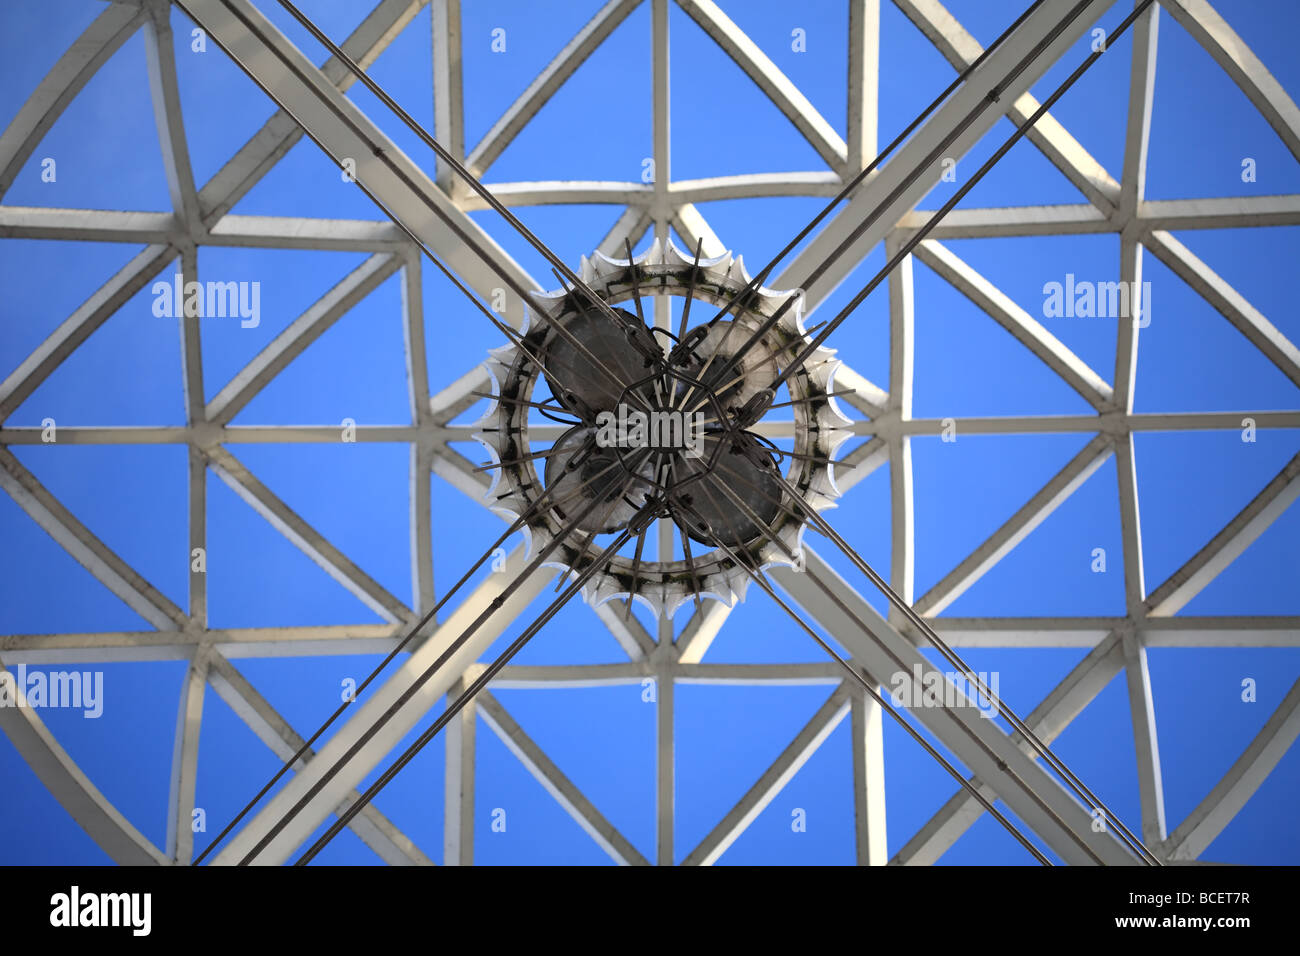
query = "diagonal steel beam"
x=1065 y=702
x=889 y=194
x=1064 y=152
x=1032 y=794
x=489 y=594
x=373 y=828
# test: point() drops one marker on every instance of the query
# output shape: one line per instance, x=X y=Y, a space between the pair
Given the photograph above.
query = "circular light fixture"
x=673 y=430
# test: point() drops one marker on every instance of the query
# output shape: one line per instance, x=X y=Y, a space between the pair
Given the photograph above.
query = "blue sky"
x=598 y=126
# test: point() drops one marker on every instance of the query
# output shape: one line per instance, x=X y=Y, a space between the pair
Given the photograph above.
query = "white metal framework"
x=201 y=216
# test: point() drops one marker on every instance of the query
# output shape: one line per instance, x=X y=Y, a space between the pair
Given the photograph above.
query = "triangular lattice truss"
x=201 y=215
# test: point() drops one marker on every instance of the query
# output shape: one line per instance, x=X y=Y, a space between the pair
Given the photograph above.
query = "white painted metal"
x=202 y=216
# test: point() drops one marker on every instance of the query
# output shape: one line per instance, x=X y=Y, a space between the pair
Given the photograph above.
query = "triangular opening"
x=45 y=306
x=133 y=498
x=39 y=576
x=696 y=134
x=811 y=821
x=516 y=821
x=505 y=47
x=757 y=631
x=602 y=739
x=336 y=22
x=307 y=690
x=1261 y=580
x=1109 y=770
x=308 y=184
x=258 y=578
x=1184 y=503
x=966 y=489
x=569 y=231
x=34 y=40
x=912 y=72
x=757 y=228
x=1205 y=715
x=862 y=339
x=1021 y=677
x=555 y=145
x=137 y=702
x=1101 y=131
x=1022 y=177
x=1072 y=564
x=234 y=764
x=863 y=518
x=275 y=285
x=916 y=785
x=726 y=737
x=343 y=849
x=373 y=530
x=988 y=843
x=104 y=147
x=353 y=372
x=413 y=800
x=1264 y=831
x=128 y=372
x=1024 y=267
x=212 y=85
x=49 y=835
x=1204 y=129
x=814 y=60
x=991 y=373
x=1191 y=359
x=404 y=70
x=456 y=519
x=573 y=636
x=1247 y=260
